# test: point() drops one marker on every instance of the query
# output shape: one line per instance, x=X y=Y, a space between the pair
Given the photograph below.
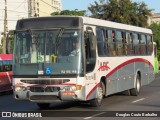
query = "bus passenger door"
x=90 y=50
x=90 y=58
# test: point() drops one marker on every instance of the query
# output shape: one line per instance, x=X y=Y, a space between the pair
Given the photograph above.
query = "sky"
x=84 y=4
x=18 y=8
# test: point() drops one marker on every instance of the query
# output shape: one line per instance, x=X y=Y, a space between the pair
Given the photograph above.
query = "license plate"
x=68 y=93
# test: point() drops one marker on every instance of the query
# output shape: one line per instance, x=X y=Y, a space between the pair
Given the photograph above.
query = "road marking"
x=138 y=100
x=94 y=115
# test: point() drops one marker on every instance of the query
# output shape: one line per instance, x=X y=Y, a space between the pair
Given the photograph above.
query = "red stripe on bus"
x=120 y=66
x=129 y=62
x=95 y=87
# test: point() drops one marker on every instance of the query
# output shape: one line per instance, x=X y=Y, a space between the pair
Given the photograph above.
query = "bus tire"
x=135 y=91
x=100 y=94
x=43 y=105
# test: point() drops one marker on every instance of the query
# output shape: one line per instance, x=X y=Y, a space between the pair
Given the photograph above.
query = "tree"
x=70 y=12
x=122 y=11
x=1 y=46
x=0 y=49
x=11 y=39
x=11 y=43
x=155 y=27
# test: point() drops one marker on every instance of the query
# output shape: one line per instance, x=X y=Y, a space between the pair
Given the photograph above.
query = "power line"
x=14 y=11
x=8 y=2
x=20 y=5
x=50 y=5
x=8 y=20
x=43 y=12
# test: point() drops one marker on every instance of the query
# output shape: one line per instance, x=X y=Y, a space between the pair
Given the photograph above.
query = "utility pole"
x=29 y=8
x=5 y=28
x=32 y=8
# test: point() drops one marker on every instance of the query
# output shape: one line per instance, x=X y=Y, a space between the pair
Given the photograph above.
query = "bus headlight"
x=20 y=88
x=70 y=88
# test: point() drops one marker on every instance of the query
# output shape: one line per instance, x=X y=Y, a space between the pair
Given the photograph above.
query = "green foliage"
x=11 y=40
x=0 y=49
x=155 y=27
x=122 y=11
x=70 y=12
x=11 y=43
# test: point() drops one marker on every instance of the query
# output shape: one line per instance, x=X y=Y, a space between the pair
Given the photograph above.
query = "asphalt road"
x=114 y=105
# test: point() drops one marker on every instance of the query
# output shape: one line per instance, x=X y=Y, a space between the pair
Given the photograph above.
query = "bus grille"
x=45 y=82
x=46 y=89
x=43 y=97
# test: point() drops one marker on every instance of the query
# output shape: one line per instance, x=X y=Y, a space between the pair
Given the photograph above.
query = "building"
x=154 y=19
x=39 y=8
x=18 y=9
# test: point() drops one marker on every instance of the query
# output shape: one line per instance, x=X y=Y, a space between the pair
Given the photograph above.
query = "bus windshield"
x=48 y=52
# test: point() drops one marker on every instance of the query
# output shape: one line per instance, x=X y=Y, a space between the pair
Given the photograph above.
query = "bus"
x=5 y=72
x=111 y=57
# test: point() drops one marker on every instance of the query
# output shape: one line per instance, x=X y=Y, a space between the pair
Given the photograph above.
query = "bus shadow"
x=66 y=105
x=10 y=92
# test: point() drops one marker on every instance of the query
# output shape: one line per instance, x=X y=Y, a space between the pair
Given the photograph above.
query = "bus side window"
x=128 y=44
x=125 y=43
x=119 y=44
x=149 y=45
x=143 y=44
x=101 y=45
x=136 y=44
x=113 y=43
x=109 y=42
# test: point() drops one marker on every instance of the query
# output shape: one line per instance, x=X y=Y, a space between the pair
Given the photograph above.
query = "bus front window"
x=58 y=50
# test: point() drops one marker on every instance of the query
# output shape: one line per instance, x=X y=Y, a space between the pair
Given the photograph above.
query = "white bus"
x=79 y=59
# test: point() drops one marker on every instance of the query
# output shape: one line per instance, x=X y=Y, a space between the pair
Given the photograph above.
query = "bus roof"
x=109 y=24
x=86 y=21
x=5 y=56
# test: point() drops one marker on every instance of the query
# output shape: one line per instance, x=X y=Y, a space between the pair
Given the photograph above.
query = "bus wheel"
x=100 y=93
x=43 y=105
x=135 y=91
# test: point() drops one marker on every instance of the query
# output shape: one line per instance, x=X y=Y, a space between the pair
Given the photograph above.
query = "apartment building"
x=154 y=18
x=40 y=8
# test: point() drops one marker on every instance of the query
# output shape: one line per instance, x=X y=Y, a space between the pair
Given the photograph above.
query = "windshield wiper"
x=58 y=39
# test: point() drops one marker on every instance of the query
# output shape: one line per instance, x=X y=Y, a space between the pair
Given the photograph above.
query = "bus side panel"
x=151 y=74
x=5 y=81
x=143 y=68
x=112 y=83
x=126 y=77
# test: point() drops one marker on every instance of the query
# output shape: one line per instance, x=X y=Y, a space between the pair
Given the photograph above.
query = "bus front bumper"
x=46 y=97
